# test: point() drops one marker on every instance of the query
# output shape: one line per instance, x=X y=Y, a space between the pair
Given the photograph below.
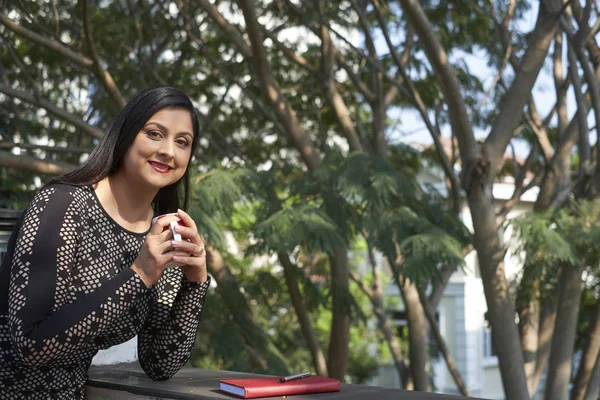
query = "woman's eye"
x=155 y=134
x=182 y=142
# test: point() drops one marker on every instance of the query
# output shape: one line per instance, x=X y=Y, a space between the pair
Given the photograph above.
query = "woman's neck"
x=125 y=202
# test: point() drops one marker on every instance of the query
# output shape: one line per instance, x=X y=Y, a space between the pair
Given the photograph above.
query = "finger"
x=187 y=220
x=187 y=246
x=162 y=223
x=168 y=256
x=165 y=247
x=190 y=233
x=181 y=254
x=198 y=261
x=166 y=236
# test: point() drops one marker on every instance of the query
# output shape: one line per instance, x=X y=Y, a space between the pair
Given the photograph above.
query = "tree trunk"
x=340 y=323
x=392 y=341
x=591 y=353
x=529 y=318
x=593 y=390
x=429 y=312
x=267 y=357
x=500 y=308
x=379 y=115
x=555 y=181
x=561 y=355
x=340 y=335
x=305 y=325
x=417 y=334
x=546 y=331
x=376 y=297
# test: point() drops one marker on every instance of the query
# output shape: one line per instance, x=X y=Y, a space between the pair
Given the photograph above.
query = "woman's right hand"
x=155 y=252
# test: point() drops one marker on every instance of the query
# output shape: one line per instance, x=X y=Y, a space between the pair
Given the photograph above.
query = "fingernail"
x=176 y=258
x=175 y=242
x=179 y=210
x=177 y=228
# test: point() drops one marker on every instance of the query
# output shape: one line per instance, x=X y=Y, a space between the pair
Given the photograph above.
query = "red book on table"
x=267 y=387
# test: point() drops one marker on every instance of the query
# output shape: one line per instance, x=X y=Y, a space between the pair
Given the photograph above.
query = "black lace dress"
x=67 y=291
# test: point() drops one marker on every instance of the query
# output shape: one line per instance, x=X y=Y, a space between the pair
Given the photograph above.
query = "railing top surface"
x=203 y=384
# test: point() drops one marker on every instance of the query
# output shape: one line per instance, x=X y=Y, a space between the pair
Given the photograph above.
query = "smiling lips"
x=160 y=167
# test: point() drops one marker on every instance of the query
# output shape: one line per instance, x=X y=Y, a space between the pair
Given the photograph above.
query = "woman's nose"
x=167 y=149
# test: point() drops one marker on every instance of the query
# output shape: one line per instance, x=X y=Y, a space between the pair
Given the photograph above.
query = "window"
x=489 y=350
x=399 y=321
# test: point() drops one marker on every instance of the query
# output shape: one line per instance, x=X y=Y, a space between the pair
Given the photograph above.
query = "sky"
x=543 y=92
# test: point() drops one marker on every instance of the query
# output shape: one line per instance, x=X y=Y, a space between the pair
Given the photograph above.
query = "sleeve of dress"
x=43 y=330
x=166 y=341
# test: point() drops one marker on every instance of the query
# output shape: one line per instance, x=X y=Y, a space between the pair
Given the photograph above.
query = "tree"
x=284 y=121
x=307 y=92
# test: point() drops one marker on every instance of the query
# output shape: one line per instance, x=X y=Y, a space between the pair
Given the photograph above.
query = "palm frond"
x=303 y=225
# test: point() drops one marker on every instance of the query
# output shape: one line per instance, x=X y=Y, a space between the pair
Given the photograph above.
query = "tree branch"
x=31 y=164
x=102 y=74
x=289 y=53
x=364 y=23
x=578 y=46
x=358 y=83
x=520 y=90
x=519 y=188
x=233 y=33
x=459 y=118
x=437 y=293
x=284 y=111
x=559 y=86
x=52 y=45
x=327 y=47
x=582 y=111
x=359 y=281
x=369 y=95
x=51 y=108
x=400 y=61
x=49 y=149
x=21 y=66
x=537 y=126
x=439 y=148
x=329 y=87
x=587 y=12
x=263 y=108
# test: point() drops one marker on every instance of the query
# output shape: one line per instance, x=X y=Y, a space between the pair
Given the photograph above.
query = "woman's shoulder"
x=64 y=189
x=62 y=194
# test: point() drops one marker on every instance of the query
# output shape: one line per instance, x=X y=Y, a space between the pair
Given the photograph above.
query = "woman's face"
x=161 y=151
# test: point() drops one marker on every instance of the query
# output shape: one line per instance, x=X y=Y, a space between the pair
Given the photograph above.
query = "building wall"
x=462 y=314
x=121 y=353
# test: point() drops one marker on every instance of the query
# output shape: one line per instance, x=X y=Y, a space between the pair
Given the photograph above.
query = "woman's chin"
x=160 y=182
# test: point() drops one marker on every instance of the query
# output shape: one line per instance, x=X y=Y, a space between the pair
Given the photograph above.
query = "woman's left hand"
x=194 y=266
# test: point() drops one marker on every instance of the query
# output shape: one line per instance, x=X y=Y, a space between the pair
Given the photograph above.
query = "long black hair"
x=107 y=157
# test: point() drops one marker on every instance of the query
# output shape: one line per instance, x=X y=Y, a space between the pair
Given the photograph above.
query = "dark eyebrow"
x=164 y=128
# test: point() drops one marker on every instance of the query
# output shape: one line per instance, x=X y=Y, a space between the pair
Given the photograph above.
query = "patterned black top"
x=66 y=291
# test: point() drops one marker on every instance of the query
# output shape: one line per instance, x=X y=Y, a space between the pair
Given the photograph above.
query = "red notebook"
x=266 y=387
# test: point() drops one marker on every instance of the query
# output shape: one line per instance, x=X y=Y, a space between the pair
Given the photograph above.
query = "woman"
x=85 y=269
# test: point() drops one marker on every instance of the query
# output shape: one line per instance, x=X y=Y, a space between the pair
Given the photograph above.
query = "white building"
x=462 y=310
